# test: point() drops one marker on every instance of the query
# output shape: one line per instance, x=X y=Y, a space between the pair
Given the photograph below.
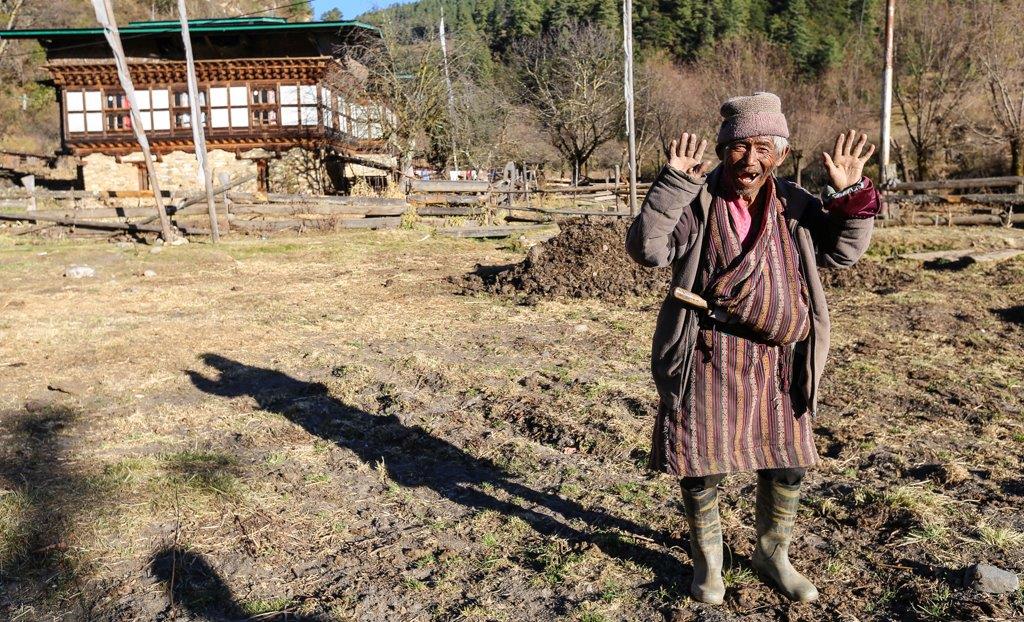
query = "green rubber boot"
x=776 y=513
x=705 y=545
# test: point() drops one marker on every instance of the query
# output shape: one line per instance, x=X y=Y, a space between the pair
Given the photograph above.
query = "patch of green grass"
x=1002 y=538
x=738 y=576
x=204 y=470
x=937 y=605
x=15 y=530
x=262 y=606
x=611 y=591
x=555 y=560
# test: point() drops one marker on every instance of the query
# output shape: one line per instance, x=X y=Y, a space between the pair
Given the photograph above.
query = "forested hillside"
x=958 y=80
x=813 y=31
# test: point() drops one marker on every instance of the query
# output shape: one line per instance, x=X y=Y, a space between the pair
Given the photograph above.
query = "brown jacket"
x=670 y=232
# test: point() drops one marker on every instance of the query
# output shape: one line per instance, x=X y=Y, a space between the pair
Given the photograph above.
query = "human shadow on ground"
x=414 y=458
x=194 y=585
x=1013 y=315
x=42 y=497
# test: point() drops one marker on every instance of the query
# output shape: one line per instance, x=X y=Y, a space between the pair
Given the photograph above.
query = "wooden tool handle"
x=690 y=299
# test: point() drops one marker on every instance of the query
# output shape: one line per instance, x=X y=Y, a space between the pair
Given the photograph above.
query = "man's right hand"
x=686 y=155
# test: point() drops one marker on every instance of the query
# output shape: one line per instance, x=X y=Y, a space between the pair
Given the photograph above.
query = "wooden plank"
x=250 y=197
x=90 y=224
x=421 y=185
x=448 y=210
x=322 y=223
x=321 y=210
x=491 y=232
x=980 y=182
x=446 y=199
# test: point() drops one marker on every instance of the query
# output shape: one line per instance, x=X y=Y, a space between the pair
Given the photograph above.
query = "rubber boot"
x=705 y=544
x=776 y=513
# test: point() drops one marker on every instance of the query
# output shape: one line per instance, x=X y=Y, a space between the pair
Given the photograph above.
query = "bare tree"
x=815 y=109
x=935 y=68
x=1000 y=50
x=407 y=79
x=570 y=79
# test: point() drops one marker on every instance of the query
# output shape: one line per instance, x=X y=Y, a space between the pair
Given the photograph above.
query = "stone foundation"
x=296 y=171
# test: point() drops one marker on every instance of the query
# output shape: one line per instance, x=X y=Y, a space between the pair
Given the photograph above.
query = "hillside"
x=814 y=31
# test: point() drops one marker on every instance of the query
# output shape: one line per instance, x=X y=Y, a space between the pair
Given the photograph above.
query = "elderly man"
x=738 y=381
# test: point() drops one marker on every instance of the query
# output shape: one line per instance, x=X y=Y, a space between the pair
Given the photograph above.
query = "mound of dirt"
x=585 y=260
x=881 y=277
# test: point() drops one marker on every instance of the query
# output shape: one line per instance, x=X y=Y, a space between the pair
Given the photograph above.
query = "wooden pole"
x=627 y=43
x=105 y=16
x=448 y=85
x=886 y=171
x=196 y=121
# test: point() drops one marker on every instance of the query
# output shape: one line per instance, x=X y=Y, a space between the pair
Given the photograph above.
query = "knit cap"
x=759 y=114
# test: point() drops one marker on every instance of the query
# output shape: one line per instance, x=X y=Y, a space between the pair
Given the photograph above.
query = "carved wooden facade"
x=264 y=84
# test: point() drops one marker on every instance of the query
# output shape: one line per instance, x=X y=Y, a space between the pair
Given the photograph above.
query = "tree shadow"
x=193 y=584
x=40 y=499
x=414 y=458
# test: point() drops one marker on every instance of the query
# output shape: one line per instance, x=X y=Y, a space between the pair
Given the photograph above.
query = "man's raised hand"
x=686 y=155
x=845 y=165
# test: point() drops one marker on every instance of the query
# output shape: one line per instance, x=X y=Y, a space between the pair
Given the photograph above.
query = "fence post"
x=225 y=179
x=29 y=181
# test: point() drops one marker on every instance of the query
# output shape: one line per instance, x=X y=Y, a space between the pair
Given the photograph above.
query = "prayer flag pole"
x=105 y=16
x=196 y=121
x=886 y=171
x=627 y=44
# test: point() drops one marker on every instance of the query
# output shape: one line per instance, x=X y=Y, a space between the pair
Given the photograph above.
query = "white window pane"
x=308 y=94
x=147 y=120
x=240 y=116
x=161 y=99
x=220 y=116
x=94 y=121
x=218 y=96
x=342 y=123
x=376 y=131
x=161 y=120
x=309 y=115
x=76 y=122
x=325 y=96
x=93 y=100
x=239 y=96
x=328 y=119
x=142 y=97
x=289 y=115
x=289 y=94
x=76 y=102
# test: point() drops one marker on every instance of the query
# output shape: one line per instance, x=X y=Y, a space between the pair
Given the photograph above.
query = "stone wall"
x=103 y=172
x=300 y=171
x=296 y=171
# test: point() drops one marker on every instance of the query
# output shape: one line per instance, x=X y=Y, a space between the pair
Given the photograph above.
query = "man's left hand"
x=845 y=165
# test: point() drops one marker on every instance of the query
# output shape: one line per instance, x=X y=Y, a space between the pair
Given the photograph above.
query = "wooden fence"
x=920 y=203
x=944 y=202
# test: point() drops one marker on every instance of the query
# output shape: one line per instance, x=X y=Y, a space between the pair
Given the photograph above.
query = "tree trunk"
x=797 y=169
x=923 y=165
x=1017 y=157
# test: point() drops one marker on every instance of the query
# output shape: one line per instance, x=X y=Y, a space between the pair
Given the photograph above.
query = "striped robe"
x=737 y=413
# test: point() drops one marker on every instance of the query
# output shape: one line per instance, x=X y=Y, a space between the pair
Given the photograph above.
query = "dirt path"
x=319 y=428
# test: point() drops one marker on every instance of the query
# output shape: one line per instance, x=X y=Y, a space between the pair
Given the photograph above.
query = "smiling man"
x=738 y=380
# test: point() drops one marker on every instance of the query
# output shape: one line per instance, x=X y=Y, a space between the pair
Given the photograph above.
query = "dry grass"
x=322 y=422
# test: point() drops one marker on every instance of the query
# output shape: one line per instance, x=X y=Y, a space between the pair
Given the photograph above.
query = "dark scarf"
x=761 y=288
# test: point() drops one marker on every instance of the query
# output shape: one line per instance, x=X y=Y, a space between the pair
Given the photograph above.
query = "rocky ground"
x=341 y=427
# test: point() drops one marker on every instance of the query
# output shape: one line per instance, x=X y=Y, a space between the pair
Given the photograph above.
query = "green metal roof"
x=241 y=24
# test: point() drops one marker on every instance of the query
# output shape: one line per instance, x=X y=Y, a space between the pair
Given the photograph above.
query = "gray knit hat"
x=759 y=114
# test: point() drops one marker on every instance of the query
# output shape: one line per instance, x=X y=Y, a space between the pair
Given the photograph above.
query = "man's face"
x=749 y=163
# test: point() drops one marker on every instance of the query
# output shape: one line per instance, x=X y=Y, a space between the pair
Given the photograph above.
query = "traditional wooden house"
x=279 y=100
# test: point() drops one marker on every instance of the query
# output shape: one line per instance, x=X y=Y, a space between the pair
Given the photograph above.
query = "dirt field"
x=321 y=428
